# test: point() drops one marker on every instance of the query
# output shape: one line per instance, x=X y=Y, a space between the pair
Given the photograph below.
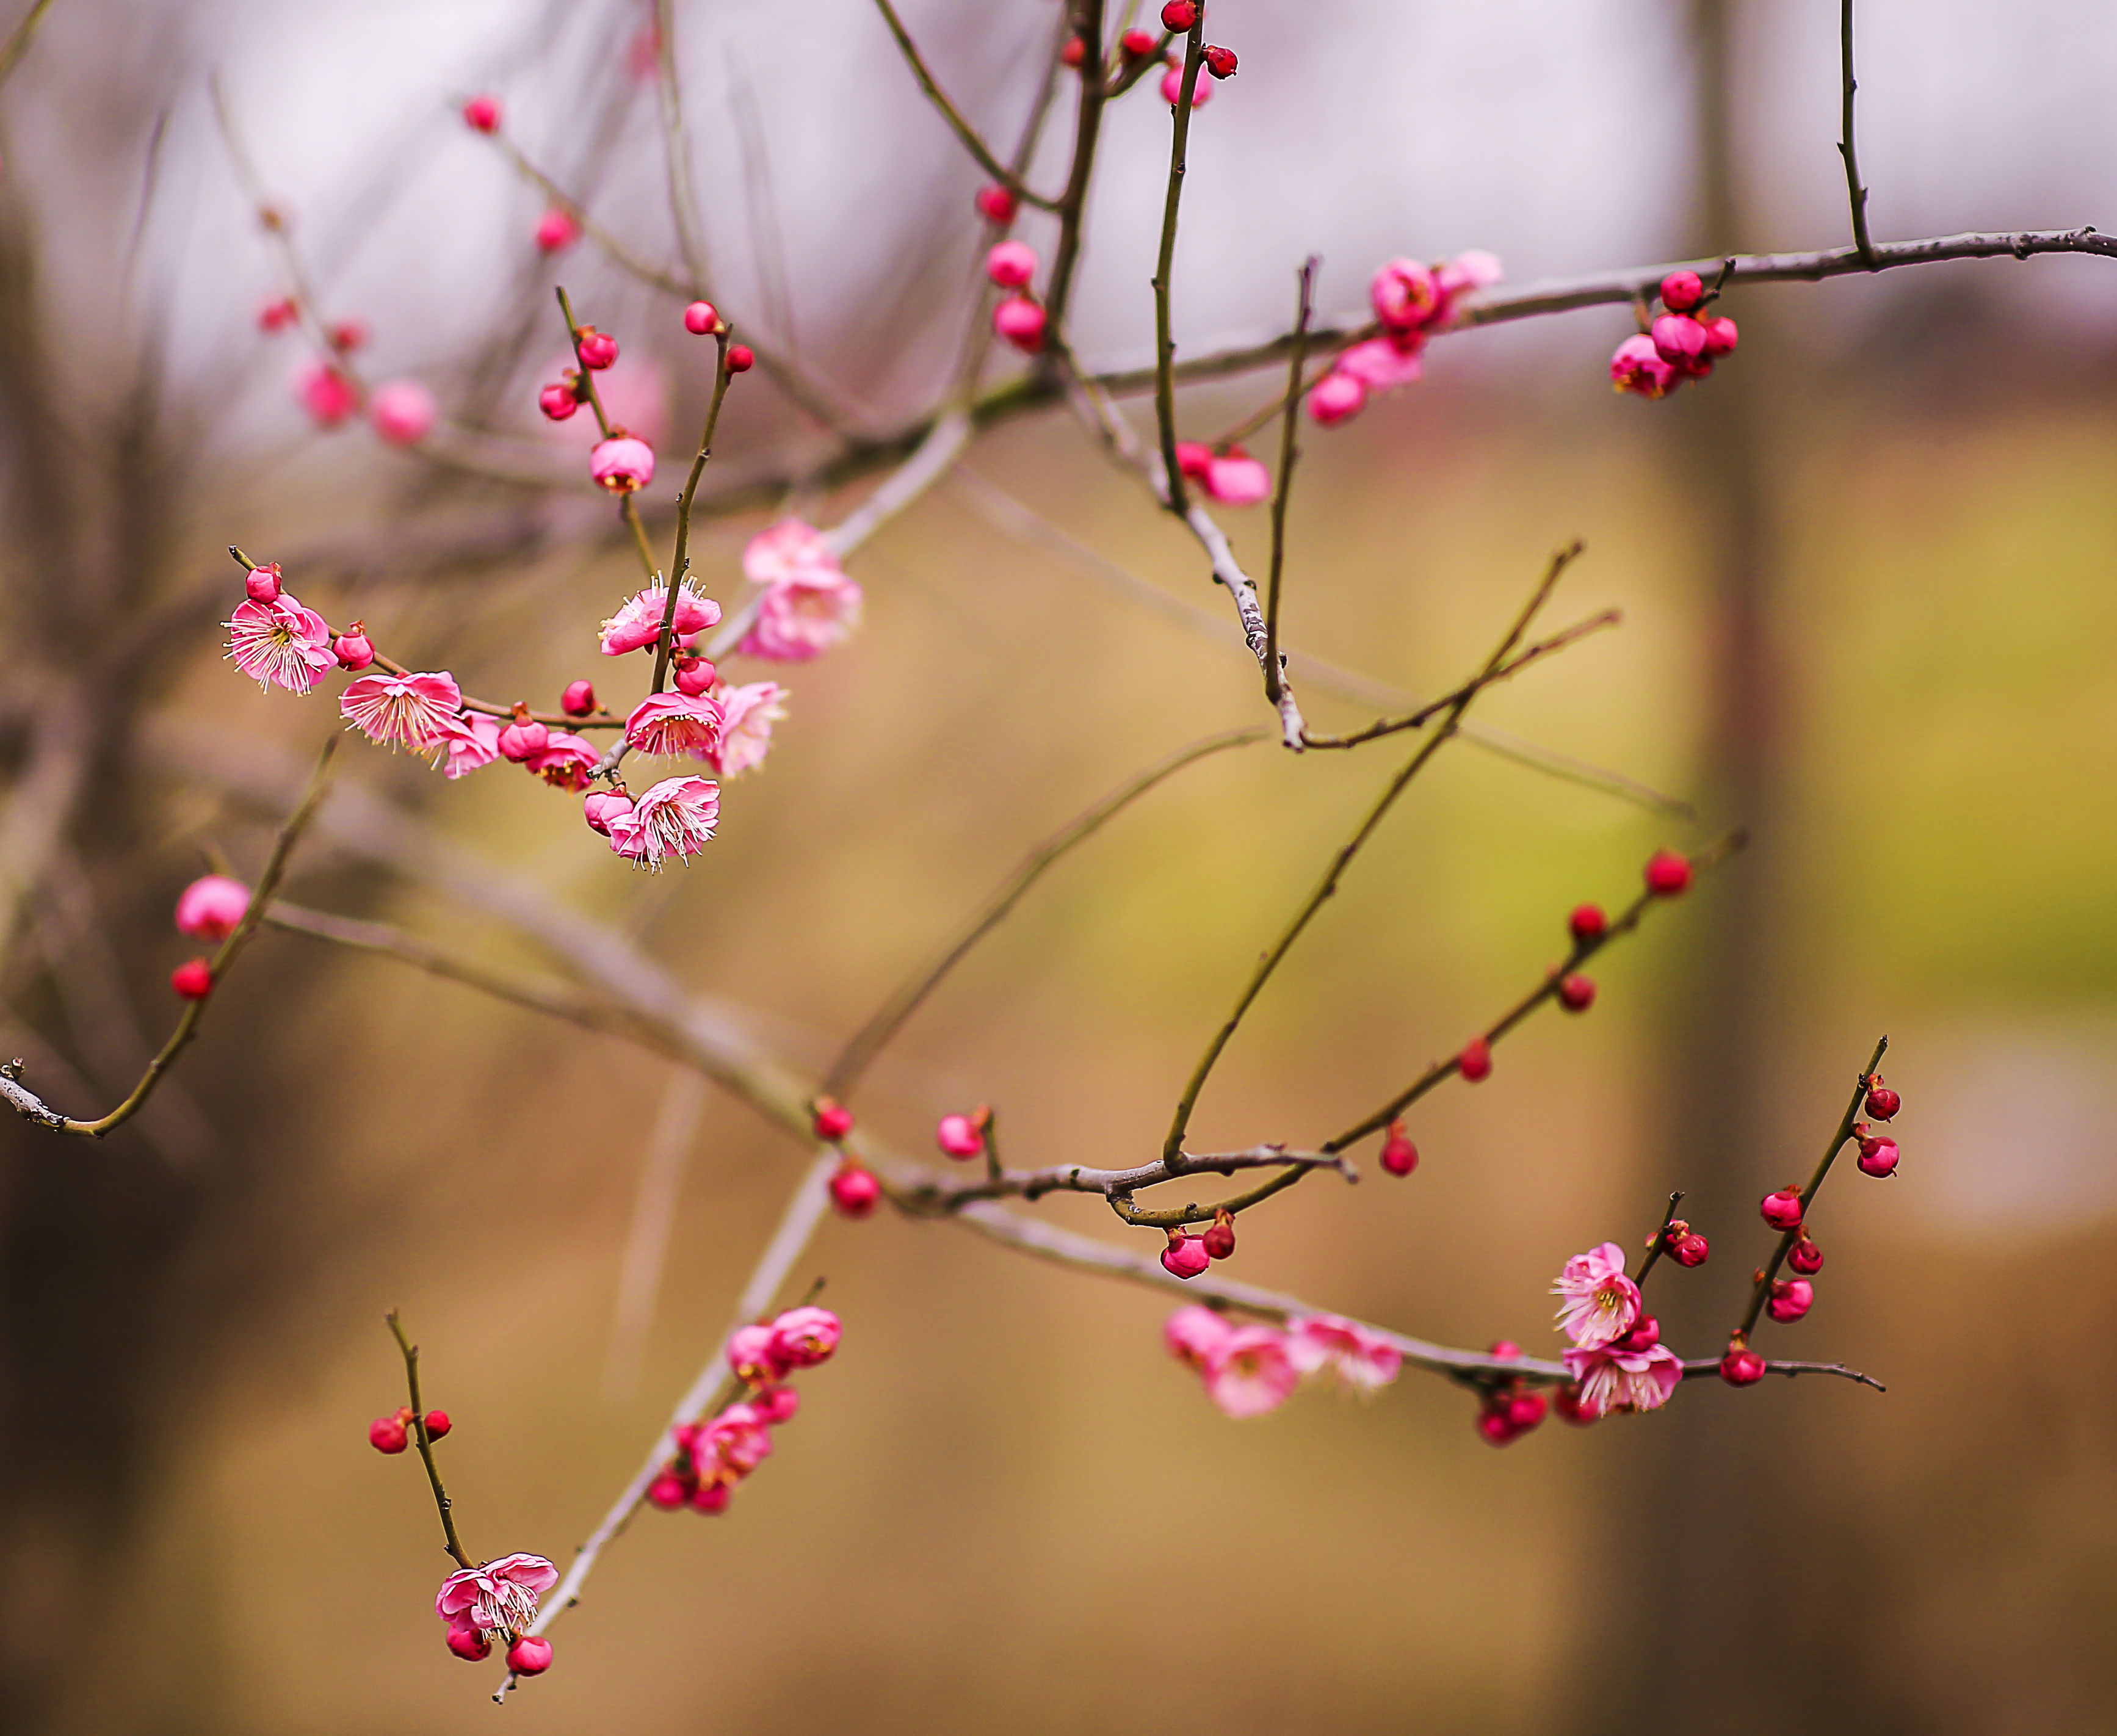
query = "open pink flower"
x=1362 y=1359
x=674 y=723
x=675 y=818
x=473 y=742
x=737 y=1441
x=500 y=1596
x=210 y=906
x=1381 y=364
x=803 y=614
x=1600 y=1303
x=1409 y=297
x=1637 y=367
x=621 y=464
x=279 y=643
x=1195 y=1336
x=805 y=1337
x=639 y=620
x=1251 y=1372
x=566 y=760
x=787 y=550
x=413 y=711
x=402 y=412
x=1612 y=1379
x=747 y=715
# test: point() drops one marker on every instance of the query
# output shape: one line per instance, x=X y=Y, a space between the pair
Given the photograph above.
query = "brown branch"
x=1288 y=453
x=1073 y=202
x=442 y=1504
x=1165 y=341
x=954 y=116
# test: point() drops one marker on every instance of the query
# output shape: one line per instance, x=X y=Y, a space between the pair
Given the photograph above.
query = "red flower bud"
x=1882 y=1102
x=1220 y=63
x=1806 y=1258
x=701 y=319
x=355 y=650
x=855 y=1191
x=695 y=675
x=1567 y=1402
x=833 y=1119
x=262 y=582
x=598 y=349
x=997 y=204
x=529 y=1655
x=740 y=358
x=1681 y=291
x=193 y=981
x=1690 y=1250
x=710 y=1498
x=579 y=700
x=1178 y=15
x=1877 y=1156
x=469 y=1645
x=1219 y=1240
x=1524 y=1411
x=386 y=1434
x=557 y=402
x=481 y=114
x=1791 y=1299
x=1476 y=1060
x=1667 y=874
x=437 y=1424
x=1721 y=336
x=1644 y=1335
x=1741 y=1366
x=1587 y=922
x=1136 y=44
x=1781 y=1210
x=1504 y=1350
x=1074 y=52
x=1576 y=994
x=1185 y=1256
x=1400 y=1156
x=667 y=1492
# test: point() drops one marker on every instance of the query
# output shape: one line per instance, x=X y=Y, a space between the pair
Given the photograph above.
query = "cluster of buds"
x=1509 y=1408
x=1682 y=344
x=1680 y=1242
x=402 y=412
x=1019 y=316
x=713 y=1456
x=1220 y=63
x=395 y=1432
x=854 y=1189
x=1187 y=1256
x=1250 y=1369
x=1411 y=302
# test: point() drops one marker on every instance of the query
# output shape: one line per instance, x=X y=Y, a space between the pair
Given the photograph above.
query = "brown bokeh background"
x=1864 y=573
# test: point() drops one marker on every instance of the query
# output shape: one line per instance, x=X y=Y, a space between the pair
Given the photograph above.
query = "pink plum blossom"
x=1362 y=1359
x=600 y=806
x=747 y=714
x=413 y=711
x=1234 y=479
x=1381 y=364
x=498 y=1597
x=809 y=603
x=804 y=1338
x=675 y=818
x=1636 y=365
x=1021 y=322
x=1612 y=1379
x=566 y=761
x=637 y=623
x=737 y=1441
x=1336 y=398
x=279 y=643
x=328 y=395
x=1600 y=1303
x=674 y=723
x=621 y=465
x=1409 y=297
x=1251 y=1372
x=1186 y=1256
x=210 y=906
x=1195 y=1335
x=402 y=412
x=473 y=742
x=753 y=1352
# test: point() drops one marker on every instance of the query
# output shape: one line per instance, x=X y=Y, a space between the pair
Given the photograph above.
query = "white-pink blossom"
x=1600 y=1303
x=416 y=711
x=789 y=549
x=675 y=818
x=1361 y=1358
x=472 y=741
x=809 y=603
x=1251 y=1372
x=500 y=1596
x=1613 y=1379
x=1195 y=1334
x=566 y=760
x=747 y=715
x=637 y=622
x=279 y=643
x=674 y=723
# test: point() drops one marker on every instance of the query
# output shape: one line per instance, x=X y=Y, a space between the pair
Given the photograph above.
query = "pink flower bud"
x=1882 y=1102
x=579 y=700
x=211 y=906
x=1504 y=1350
x=355 y=650
x=386 y=1434
x=701 y=319
x=960 y=1136
x=1476 y=1060
x=1721 y=336
x=277 y=316
x=437 y=1424
x=1877 y=1157
x=481 y=114
x=753 y=1353
x=1010 y=264
x=1681 y=291
x=667 y=1492
x=1178 y=15
x=1690 y=1250
x=348 y=335
x=1806 y=1258
x=833 y=1120
x=557 y=402
x=711 y=1498
x=740 y=358
x=805 y=1337
x=1074 y=52
x=1678 y=339
x=327 y=395
x=1667 y=874
x=1194 y=458
x=469 y=1645
x=1172 y=89
x=1576 y=994
x=1493 y=1423
x=262 y=582
x=997 y=204
x=1220 y=63
x=621 y=464
x=598 y=349
x=1525 y=1410
x=556 y=230
x=402 y=412
x=1781 y=1210
x=1021 y=322
x=524 y=738
x=1741 y=1366
x=600 y=807
x=855 y=1191
x=777 y=1405
x=1644 y=1334
x=529 y=1655
x=1791 y=1299
x=695 y=675
x=1220 y=1241
x=1135 y=44
x=1400 y=1156
x=1636 y=365
x=1234 y=479
x=1185 y=1257
x=192 y=980
x=1336 y=398
x=1587 y=922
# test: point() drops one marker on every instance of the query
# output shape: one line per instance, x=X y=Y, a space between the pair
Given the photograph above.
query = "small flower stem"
x=1861 y=241
x=1661 y=1239
x=1838 y=1142
x=1165 y=341
x=1073 y=202
x=627 y=509
x=665 y=645
x=1289 y=454
x=441 y=1503
x=954 y=116
x=1342 y=857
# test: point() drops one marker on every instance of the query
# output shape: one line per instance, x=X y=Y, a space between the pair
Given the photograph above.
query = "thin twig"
x=1165 y=341
x=1288 y=453
x=442 y=1504
x=1073 y=202
x=1659 y=1245
x=954 y=116
x=627 y=508
x=680 y=559
x=1857 y=194
x=677 y=144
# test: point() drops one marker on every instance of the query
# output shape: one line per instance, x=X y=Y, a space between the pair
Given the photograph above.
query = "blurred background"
x=1865 y=571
